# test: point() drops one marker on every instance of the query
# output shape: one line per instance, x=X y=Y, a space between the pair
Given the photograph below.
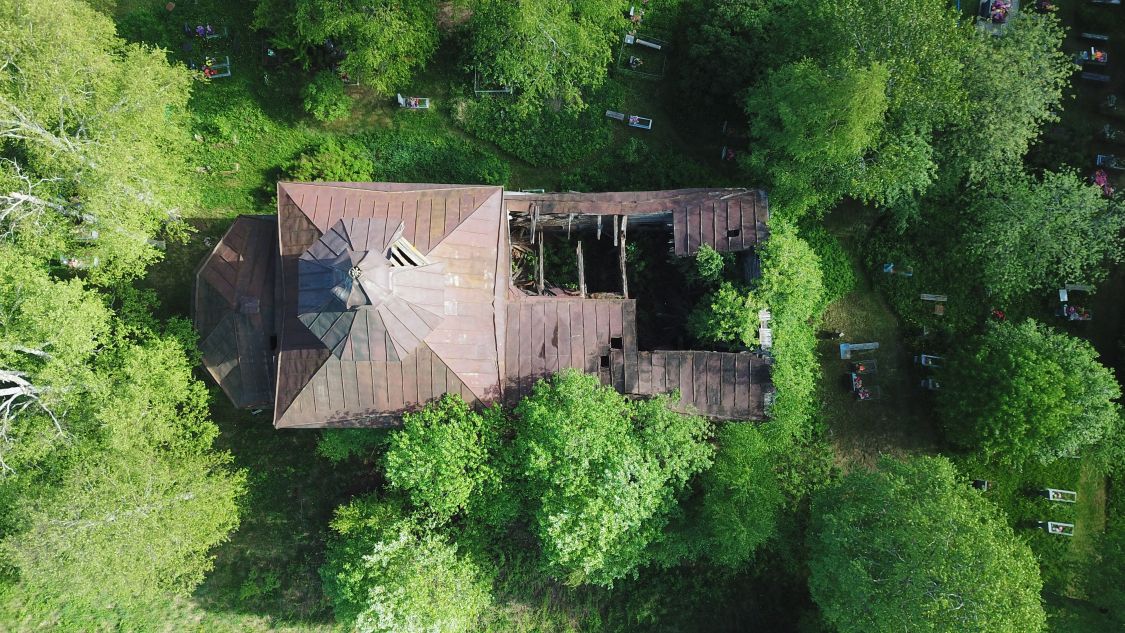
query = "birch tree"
x=93 y=138
x=1028 y=234
x=126 y=513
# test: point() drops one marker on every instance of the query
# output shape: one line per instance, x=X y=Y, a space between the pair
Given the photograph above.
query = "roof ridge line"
x=322 y=185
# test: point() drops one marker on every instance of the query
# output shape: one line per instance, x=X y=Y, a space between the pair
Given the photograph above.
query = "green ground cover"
x=250 y=128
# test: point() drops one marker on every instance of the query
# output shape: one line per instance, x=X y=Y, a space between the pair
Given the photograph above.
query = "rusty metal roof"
x=599 y=336
x=367 y=294
x=389 y=293
x=233 y=310
x=728 y=220
x=361 y=301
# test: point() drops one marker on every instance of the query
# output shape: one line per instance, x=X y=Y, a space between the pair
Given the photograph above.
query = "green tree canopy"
x=729 y=45
x=792 y=285
x=325 y=98
x=334 y=160
x=92 y=139
x=707 y=267
x=49 y=333
x=727 y=316
x=384 y=574
x=1028 y=234
x=382 y=42
x=1015 y=84
x=601 y=473
x=445 y=457
x=884 y=81
x=128 y=508
x=814 y=128
x=911 y=548
x=920 y=48
x=545 y=49
x=741 y=497
x=1026 y=391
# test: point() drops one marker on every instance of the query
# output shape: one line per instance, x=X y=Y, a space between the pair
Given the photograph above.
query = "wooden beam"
x=540 y=279
x=599 y=228
x=534 y=221
x=621 y=256
x=569 y=220
x=581 y=272
x=615 y=230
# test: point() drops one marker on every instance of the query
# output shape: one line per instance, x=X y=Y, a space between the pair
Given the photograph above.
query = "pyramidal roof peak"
x=376 y=304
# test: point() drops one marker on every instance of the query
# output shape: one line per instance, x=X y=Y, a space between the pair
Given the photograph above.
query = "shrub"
x=726 y=316
x=325 y=99
x=383 y=573
x=792 y=285
x=741 y=496
x=442 y=456
x=639 y=166
x=416 y=151
x=542 y=137
x=709 y=265
x=338 y=445
x=409 y=153
x=835 y=265
x=333 y=160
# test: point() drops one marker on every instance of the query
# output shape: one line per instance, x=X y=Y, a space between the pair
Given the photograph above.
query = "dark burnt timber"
x=728 y=220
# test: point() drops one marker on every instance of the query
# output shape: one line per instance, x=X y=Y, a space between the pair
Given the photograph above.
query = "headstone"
x=1061 y=496
x=1057 y=528
x=846 y=349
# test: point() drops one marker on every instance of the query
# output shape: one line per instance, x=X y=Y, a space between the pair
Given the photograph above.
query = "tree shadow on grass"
x=901 y=421
x=173 y=277
x=270 y=565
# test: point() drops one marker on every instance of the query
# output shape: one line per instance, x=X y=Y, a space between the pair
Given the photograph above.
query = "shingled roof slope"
x=462 y=229
x=233 y=310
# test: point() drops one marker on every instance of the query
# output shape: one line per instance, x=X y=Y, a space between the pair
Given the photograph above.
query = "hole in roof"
x=615 y=342
x=273 y=342
x=402 y=253
x=734 y=232
x=605 y=362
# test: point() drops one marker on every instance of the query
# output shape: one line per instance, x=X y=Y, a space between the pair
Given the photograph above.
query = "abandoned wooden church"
x=358 y=302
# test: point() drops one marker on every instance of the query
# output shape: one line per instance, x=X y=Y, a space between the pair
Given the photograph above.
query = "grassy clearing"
x=270 y=566
x=903 y=423
x=900 y=423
